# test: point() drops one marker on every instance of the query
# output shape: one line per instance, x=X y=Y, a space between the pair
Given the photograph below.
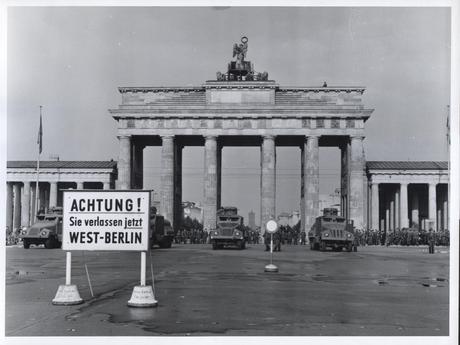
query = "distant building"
x=193 y=210
x=252 y=220
x=289 y=219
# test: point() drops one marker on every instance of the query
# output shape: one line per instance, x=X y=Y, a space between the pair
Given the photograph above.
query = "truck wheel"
x=26 y=244
x=165 y=244
x=49 y=244
x=322 y=246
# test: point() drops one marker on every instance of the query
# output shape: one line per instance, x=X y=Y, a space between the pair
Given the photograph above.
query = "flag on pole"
x=40 y=133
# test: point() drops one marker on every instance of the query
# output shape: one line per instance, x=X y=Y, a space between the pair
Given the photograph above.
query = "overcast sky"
x=71 y=60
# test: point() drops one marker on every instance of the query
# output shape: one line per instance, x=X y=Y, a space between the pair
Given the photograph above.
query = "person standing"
x=431 y=240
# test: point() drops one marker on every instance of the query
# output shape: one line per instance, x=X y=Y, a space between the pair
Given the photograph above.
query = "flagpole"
x=39 y=141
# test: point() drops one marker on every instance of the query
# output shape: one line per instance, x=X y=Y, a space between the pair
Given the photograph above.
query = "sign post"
x=67 y=294
x=108 y=220
x=143 y=294
x=271 y=227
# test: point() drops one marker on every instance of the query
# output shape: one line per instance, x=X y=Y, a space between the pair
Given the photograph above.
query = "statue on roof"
x=240 y=50
x=240 y=69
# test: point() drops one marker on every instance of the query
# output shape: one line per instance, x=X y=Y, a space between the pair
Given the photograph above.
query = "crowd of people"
x=402 y=237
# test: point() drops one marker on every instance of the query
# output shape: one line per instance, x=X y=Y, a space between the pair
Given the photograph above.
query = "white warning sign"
x=106 y=220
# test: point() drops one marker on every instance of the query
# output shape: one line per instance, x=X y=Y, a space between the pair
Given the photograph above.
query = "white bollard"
x=142 y=295
x=67 y=294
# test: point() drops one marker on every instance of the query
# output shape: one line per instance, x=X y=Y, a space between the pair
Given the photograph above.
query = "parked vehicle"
x=331 y=230
x=46 y=230
x=229 y=231
x=161 y=231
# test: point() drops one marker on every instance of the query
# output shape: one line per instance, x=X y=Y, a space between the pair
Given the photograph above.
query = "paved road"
x=376 y=291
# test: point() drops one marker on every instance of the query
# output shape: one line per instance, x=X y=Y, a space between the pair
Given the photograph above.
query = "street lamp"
x=271 y=227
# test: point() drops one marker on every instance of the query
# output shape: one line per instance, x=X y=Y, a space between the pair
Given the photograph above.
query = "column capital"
x=268 y=137
x=210 y=137
x=124 y=136
x=357 y=137
x=313 y=136
x=404 y=183
x=167 y=136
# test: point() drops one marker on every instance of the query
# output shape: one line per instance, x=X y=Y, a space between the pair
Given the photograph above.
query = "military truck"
x=333 y=231
x=161 y=232
x=229 y=231
x=46 y=230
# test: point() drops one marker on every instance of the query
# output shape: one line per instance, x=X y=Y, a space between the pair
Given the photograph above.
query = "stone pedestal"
x=268 y=180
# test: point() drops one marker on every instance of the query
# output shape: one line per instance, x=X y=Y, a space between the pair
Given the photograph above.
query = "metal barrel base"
x=67 y=295
x=271 y=268
x=142 y=297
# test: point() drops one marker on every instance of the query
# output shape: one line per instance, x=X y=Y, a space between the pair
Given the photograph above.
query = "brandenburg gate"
x=244 y=108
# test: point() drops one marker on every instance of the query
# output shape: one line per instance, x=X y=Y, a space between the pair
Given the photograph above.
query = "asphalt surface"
x=378 y=291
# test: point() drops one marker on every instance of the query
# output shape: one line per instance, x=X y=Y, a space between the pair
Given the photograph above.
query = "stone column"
x=397 y=210
x=53 y=194
x=106 y=185
x=25 y=205
x=9 y=205
x=415 y=213
x=311 y=184
x=178 y=210
x=268 y=181
x=137 y=171
x=392 y=210
x=219 y=175
x=124 y=162
x=167 y=178
x=356 y=198
x=404 y=222
x=375 y=206
x=303 y=226
x=17 y=206
x=210 y=183
x=344 y=180
x=432 y=203
x=79 y=185
x=445 y=212
x=387 y=213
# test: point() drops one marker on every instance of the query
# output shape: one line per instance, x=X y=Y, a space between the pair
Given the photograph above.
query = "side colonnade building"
x=54 y=176
x=405 y=194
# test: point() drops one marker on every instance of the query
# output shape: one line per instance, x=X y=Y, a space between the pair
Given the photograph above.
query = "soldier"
x=303 y=236
x=267 y=241
x=431 y=240
x=277 y=241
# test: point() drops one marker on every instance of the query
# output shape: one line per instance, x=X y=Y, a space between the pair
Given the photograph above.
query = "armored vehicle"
x=332 y=231
x=46 y=230
x=161 y=232
x=229 y=231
